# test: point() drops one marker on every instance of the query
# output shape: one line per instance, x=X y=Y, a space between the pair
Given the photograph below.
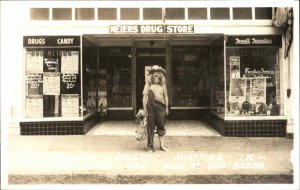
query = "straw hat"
x=156 y=68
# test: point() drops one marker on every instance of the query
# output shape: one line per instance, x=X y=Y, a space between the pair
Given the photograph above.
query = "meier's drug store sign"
x=151 y=29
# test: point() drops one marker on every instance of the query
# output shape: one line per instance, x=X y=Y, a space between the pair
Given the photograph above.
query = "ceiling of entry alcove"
x=143 y=40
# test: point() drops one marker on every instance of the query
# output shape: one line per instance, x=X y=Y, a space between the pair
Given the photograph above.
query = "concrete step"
x=173 y=128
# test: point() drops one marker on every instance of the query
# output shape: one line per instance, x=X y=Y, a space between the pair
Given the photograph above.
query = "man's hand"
x=146 y=112
x=167 y=111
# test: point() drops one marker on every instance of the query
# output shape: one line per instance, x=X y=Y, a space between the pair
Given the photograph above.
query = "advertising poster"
x=237 y=90
x=51 y=64
x=34 y=83
x=70 y=83
x=70 y=62
x=34 y=61
x=235 y=70
x=70 y=105
x=51 y=84
x=258 y=90
x=237 y=94
x=34 y=106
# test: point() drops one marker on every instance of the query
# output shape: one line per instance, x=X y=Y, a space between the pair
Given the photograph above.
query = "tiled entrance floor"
x=174 y=128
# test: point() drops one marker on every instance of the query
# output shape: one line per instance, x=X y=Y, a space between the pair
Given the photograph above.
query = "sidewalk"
x=122 y=159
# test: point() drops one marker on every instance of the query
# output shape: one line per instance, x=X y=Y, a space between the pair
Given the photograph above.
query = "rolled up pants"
x=156 y=118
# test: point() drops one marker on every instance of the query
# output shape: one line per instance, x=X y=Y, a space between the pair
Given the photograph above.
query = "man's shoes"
x=164 y=149
x=150 y=150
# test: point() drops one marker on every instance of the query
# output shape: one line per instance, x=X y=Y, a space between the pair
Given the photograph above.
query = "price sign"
x=51 y=84
x=70 y=105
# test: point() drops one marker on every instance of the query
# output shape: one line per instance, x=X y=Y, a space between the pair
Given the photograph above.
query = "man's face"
x=156 y=76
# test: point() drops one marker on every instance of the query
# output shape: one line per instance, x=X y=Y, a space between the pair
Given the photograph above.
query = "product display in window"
x=253 y=80
x=118 y=82
x=90 y=79
x=190 y=76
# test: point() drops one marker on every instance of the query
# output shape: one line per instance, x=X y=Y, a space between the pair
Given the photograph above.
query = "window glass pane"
x=107 y=14
x=130 y=13
x=84 y=14
x=217 y=76
x=197 y=13
x=52 y=82
x=242 y=13
x=89 y=79
x=190 y=76
x=253 y=81
x=61 y=14
x=263 y=13
x=175 y=13
x=219 y=14
x=39 y=14
x=152 y=13
x=115 y=66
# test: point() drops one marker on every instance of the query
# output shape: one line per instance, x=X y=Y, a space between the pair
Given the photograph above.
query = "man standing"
x=155 y=104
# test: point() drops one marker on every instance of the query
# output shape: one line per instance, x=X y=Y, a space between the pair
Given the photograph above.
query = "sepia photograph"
x=190 y=94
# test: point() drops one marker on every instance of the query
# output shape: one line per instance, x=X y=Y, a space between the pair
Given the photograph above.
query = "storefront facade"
x=224 y=66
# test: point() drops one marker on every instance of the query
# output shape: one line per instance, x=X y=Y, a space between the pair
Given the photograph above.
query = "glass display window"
x=90 y=72
x=52 y=76
x=115 y=63
x=217 y=77
x=252 y=80
x=190 y=76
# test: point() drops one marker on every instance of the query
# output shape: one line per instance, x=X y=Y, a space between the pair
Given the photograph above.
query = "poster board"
x=34 y=106
x=237 y=90
x=51 y=64
x=70 y=105
x=237 y=94
x=258 y=90
x=51 y=85
x=34 y=83
x=70 y=62
x=235 y=69
x=34 y=61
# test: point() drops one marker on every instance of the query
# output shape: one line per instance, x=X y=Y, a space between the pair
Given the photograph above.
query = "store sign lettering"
x=36 y=41
x=255 y=40
x=68 y=41
x=261 y=71
x=261 y=41
x=242 y=41
x=48 y=41
x=152 y=29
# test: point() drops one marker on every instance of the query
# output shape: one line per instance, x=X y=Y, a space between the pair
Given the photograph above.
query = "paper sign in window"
x=34 y=106
x=69 y=63
x=70 y=105
x=51 y=84
x=34 y=61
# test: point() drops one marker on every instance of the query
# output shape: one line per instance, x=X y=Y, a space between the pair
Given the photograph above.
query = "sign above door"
x=151 y=29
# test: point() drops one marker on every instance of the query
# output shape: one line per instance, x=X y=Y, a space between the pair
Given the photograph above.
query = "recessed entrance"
x=123 y=59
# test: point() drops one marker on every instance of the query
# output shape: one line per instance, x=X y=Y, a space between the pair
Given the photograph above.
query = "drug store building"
x=225 y=66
